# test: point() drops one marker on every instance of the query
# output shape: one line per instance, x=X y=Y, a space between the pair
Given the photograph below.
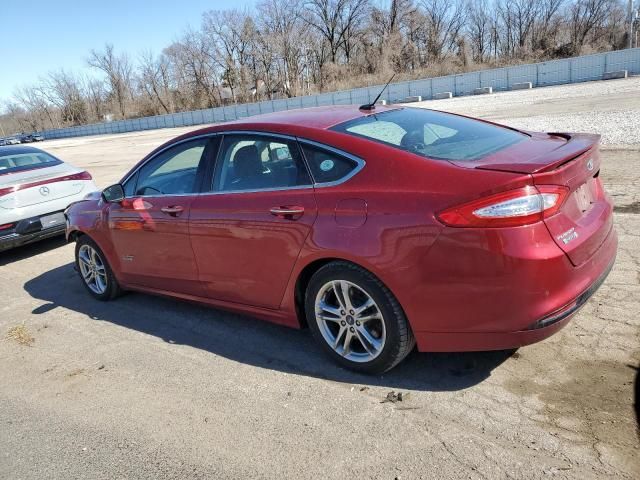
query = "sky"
x=42 y=35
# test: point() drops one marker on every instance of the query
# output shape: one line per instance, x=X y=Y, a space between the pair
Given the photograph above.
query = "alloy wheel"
x=92 y=269
x=350 y=321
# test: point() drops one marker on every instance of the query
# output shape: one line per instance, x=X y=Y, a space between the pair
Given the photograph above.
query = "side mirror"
x=113 y=194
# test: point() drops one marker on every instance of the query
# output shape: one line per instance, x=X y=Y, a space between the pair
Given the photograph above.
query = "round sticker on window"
x=326 y=165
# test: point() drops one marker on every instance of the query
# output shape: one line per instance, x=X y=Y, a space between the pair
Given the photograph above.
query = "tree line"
x=285 y=48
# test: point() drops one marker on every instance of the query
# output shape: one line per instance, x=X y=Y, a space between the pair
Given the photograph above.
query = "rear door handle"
x=287 y=212
x=173 y=210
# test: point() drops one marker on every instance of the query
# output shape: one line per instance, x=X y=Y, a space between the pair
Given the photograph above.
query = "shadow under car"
x=254 y=342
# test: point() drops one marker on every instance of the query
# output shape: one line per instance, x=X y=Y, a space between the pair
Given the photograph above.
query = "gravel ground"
x=148 y=387
x=610 y=108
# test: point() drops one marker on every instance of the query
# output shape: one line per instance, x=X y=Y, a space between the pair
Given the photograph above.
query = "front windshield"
x=432 y=134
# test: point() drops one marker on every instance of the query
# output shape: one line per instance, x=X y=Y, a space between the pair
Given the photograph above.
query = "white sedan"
x=35 y=189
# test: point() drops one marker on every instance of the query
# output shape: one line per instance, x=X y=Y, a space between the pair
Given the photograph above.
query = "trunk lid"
x=38 y=186
x=586 y=217
x=573 y=161
x=539 y=152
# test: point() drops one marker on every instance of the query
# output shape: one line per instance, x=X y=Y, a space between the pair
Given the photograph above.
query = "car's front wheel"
x=94 y=270
x=357 y=319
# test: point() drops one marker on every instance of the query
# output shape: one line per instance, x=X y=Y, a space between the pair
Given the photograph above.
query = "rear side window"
x=25 y=161
x=432 y=134
x=327 y=166
x=258 y=162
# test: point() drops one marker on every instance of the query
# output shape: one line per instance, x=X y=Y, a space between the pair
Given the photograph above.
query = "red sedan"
x=379 y=229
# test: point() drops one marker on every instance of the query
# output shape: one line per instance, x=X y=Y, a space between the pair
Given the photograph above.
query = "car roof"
x=13 y=149
x=285 y=121
x=315 y=117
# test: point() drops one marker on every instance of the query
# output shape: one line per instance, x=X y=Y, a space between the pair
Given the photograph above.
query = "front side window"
x=256 y=162
x=433 y=134
x=172 y=172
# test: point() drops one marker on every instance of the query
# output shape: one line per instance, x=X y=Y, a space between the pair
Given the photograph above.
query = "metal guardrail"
x=555 y=72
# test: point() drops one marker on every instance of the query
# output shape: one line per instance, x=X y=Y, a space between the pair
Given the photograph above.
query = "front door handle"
x=287 y=212
x=173 y=210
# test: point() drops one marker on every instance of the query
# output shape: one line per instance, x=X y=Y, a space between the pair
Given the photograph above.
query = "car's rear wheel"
x=357 y=319
x=94 y=270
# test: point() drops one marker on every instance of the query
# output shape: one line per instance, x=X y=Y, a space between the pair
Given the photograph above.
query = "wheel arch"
x=305 y=274
x=73 y=235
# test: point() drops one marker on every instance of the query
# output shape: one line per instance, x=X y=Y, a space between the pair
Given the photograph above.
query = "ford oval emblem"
x=590 y=164
x=44 y=191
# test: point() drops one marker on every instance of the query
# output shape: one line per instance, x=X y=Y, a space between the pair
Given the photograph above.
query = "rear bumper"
x=483 y=341
x=517 y=319
x=27 y=231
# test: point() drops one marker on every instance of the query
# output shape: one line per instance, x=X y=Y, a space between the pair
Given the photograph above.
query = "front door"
x=247 y=233
x=150 y=229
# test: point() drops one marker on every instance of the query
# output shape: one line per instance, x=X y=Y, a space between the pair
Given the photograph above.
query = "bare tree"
x=64 y=90
x=281 y=31
x=584 y=17
x=284 y=48
x=154 y=81
x=231 y=33
x=41 y=114
x=118 y=71
x=96 y=98
x=195 y=68
x=548 y=24
x=337 y=21
x=479 y=30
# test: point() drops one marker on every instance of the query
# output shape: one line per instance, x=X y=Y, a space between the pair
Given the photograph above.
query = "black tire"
x=399 y=338
x=113 y=289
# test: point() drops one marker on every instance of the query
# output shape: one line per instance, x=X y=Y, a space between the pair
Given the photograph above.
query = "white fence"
x=555 y=72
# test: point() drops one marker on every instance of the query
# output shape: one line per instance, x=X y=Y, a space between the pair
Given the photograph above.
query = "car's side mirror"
x=113 y=194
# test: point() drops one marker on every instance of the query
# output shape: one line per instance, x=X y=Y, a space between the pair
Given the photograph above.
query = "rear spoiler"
x=577 y=144
x=542 y=152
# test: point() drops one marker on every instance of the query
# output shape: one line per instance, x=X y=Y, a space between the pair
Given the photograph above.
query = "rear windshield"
x=432 y=134
x=16 y=162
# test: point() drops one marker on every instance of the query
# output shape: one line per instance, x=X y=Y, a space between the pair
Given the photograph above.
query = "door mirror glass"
x=113 y=194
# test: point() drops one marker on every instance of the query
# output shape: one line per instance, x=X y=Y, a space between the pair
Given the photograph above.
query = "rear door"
x=248 y=231
x=150 y=228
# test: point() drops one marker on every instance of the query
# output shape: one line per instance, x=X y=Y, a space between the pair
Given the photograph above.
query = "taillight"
x=507 y=209
x=67 y=178
x=7 y=226
x=76 y=176
x=6 y=191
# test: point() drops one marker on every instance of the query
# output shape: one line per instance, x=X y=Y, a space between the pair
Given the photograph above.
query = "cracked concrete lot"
x=148 y=387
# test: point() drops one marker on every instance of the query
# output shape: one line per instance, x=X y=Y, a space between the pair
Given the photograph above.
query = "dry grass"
x=21 y=335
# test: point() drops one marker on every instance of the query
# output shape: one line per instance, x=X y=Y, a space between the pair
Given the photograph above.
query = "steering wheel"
x=413 y=141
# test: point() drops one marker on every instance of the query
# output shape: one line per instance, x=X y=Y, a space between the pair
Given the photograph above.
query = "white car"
x=35 y=189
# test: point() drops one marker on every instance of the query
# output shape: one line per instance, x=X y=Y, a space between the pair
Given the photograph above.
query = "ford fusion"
x=380 y=229
x=35 y=188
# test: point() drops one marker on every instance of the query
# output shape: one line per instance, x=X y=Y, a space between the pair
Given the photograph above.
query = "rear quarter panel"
x=402 y=194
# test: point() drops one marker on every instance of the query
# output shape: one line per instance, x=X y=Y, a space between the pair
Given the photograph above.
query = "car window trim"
x=360 y=163
x=209 y=171
x=300 y=140
x=199 y=172
x=289 y=138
